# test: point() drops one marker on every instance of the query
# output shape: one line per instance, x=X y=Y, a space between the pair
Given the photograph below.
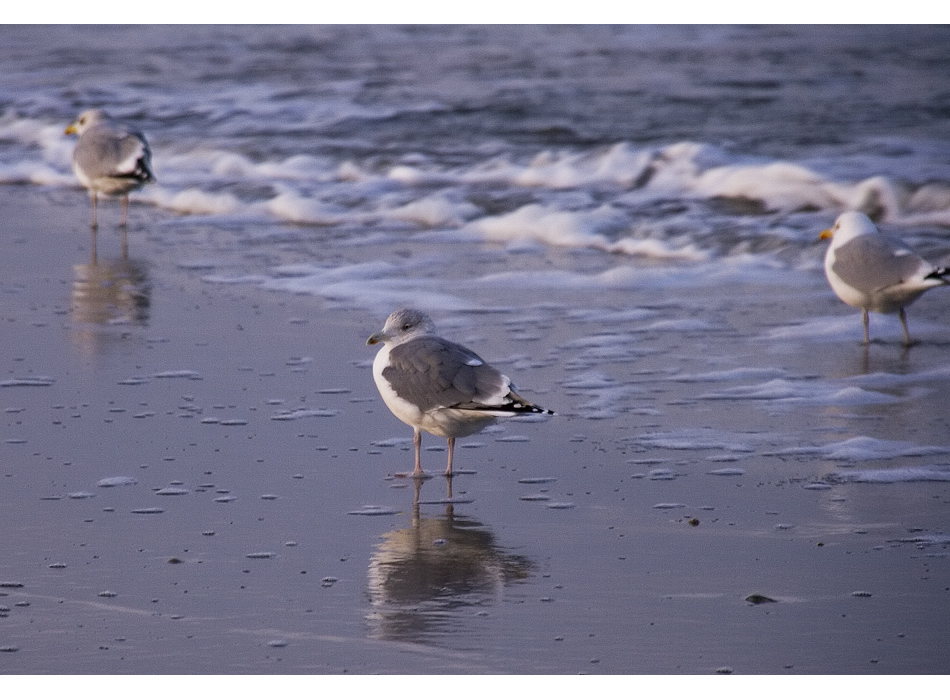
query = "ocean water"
x=626 y=219
x=723 y=150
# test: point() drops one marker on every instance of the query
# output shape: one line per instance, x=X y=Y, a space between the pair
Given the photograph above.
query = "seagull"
x=439 y=386
x=109 y=158
x=873 y=272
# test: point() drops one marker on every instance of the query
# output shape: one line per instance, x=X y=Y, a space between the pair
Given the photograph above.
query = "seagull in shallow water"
x=439 y=386
x=873 y=272
x=109 y=158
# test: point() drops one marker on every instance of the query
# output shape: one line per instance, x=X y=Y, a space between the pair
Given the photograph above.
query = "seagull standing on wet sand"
x=109 y=158
x=873 y=272
x=439 y=386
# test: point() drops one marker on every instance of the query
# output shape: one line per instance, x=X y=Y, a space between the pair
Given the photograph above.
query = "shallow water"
x=623 y=219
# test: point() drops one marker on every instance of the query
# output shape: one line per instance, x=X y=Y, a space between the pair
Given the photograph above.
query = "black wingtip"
x=524 y=407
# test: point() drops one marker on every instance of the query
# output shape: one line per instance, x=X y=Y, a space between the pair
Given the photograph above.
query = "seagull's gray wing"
x=873 y=263
x=106 y=152
x=433 y=373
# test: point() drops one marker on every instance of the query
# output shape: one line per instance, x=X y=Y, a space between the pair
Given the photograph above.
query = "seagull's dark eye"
x=406 y=326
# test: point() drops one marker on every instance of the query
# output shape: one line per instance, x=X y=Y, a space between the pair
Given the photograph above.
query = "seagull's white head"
x=87 y=120
x=849 y=225
x=403 y=325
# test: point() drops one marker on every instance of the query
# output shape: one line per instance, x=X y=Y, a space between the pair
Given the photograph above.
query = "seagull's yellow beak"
x=827 y=233
x=71 y=129
x=375 y=338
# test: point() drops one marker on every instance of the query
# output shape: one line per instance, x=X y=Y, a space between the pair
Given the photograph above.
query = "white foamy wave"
x=289 y=206
x=572 y=229
x=51 y=140
x=603 y=199
x=31 y=173
x=35 y=152
x=620 y=164
x=784 y=186
x=205 y=164
x=435 y=211
x=191 y=201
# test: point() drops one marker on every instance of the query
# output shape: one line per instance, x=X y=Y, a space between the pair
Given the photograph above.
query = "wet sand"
x=198 y=479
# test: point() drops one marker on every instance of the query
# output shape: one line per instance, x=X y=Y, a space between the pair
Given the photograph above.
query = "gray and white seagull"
x=874 y=272
x=109 y=158
x=439 y=386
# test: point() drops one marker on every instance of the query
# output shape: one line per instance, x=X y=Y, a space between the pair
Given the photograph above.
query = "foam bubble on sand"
x=112 y=481
x=610 y=317
x=803 y=392
x=847 y=326
x=606 y=396
x=863 y=448
x=887 y=380
x=604 y=403
x=299 y=413
x=604 y=347
x=701 y=439
x=894 y=476
x=590 y=380
x=729 y=375
x=28 y=381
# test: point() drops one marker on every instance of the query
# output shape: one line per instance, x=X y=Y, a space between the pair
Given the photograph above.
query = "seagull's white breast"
x=405 y=411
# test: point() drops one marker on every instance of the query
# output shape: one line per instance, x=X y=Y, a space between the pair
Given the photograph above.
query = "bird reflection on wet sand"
x=421 y=576
x=111 y=292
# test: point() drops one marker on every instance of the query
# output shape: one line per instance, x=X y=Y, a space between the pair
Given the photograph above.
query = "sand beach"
x=199 y=478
